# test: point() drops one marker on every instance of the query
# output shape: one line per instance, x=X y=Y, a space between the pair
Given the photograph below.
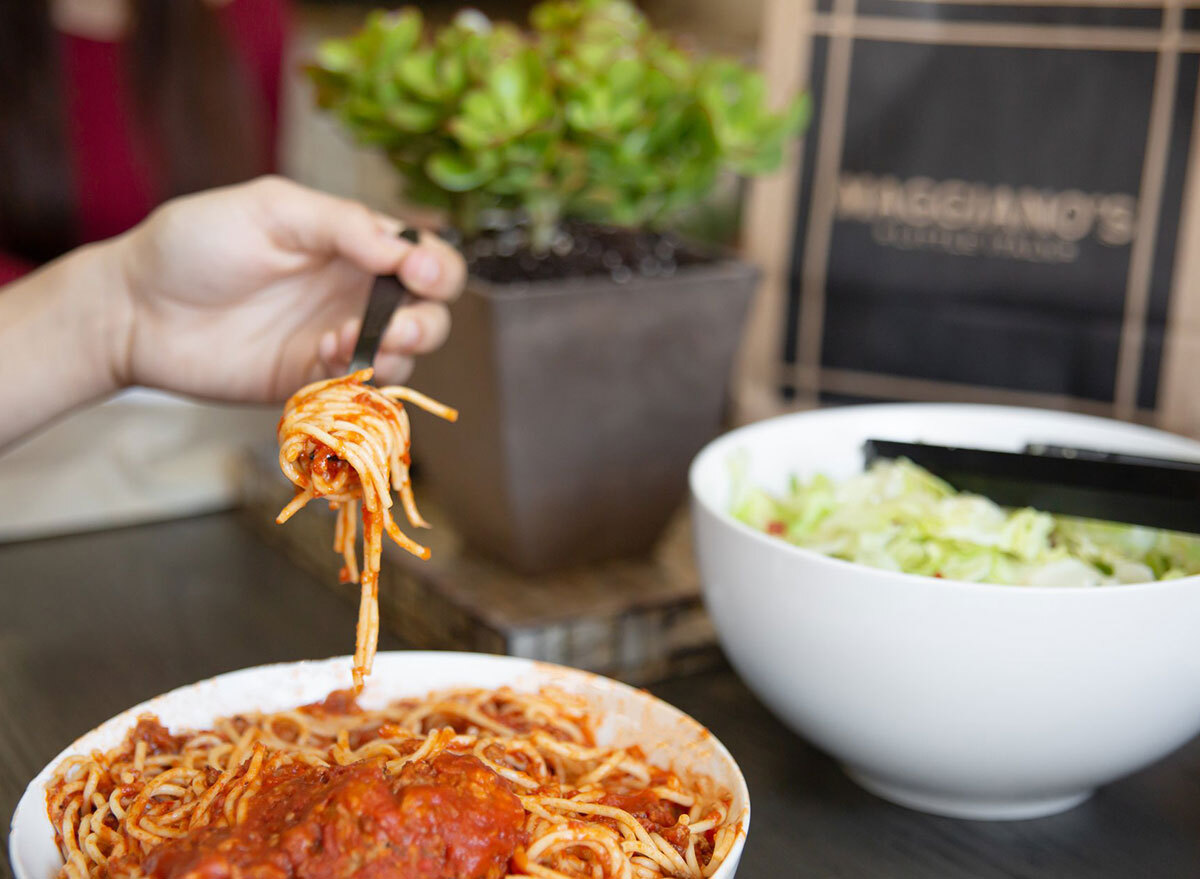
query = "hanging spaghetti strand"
x=348 y=442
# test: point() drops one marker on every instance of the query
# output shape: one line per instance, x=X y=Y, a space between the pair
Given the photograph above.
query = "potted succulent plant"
x=591 y=353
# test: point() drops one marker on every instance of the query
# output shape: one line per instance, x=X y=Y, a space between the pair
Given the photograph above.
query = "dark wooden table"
x=92 y=624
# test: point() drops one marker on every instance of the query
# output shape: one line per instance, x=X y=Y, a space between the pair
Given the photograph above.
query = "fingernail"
x=422 y=268
x=409 y=333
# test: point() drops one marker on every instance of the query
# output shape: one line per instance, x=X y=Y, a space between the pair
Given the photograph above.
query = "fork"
x=387 y=294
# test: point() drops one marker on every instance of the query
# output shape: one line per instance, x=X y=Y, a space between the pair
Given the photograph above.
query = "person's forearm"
x=61 y=336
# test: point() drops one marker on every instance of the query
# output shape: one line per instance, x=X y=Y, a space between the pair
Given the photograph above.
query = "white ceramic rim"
x=723 y=445
x=33 y=800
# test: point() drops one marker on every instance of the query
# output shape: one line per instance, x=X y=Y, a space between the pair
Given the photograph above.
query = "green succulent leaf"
x=507 y=87
x=460 y=172
x=591 y=113
x=336 y=56
x=412 y=118
x=418 y=73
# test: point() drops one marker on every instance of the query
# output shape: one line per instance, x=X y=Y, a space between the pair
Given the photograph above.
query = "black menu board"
x=990 y=198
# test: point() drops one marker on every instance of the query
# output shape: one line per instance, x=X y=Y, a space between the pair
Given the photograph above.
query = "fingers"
x=434 y=269
x=310 y=222
x=335 y=348
x=303 y=223
x=416 y=329
x=392 y=369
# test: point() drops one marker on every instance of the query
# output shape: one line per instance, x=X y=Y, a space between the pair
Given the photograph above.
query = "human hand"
x=248 y=292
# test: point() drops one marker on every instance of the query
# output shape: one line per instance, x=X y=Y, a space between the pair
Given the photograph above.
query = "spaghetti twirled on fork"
x=348 y=442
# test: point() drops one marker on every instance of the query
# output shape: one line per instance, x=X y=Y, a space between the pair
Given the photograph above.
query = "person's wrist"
x=113 y=305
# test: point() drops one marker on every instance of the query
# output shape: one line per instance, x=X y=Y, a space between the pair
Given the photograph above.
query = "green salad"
x=901 y=517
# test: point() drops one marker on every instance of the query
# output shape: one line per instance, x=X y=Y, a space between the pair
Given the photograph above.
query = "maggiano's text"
x=979 y=219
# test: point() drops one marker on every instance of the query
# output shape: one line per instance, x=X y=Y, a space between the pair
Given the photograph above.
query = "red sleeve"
x=258 y=29
x=13 y=267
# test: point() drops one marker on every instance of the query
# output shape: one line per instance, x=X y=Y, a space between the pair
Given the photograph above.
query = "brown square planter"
x=582 y=404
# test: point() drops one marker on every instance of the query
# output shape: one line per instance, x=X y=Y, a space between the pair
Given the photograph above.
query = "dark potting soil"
x=581 y=251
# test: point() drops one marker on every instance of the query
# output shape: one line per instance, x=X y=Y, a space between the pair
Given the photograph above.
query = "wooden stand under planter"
x=640 y=620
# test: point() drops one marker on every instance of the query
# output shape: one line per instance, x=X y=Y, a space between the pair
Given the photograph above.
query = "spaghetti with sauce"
x=348 y=442
x=463 y=784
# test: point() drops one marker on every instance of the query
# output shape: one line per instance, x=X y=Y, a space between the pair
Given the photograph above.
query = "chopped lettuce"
x=900 y=517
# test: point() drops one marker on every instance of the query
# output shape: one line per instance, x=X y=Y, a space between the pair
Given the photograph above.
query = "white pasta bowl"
x=961 y=699
x=621 y=714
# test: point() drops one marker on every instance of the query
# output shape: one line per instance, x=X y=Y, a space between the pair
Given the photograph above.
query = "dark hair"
x=203 y=122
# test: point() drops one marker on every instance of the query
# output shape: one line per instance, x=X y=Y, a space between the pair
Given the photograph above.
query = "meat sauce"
x=326 y=463
x=662 y=817
x=449 y=818
x=338 y=703
x=157 y=737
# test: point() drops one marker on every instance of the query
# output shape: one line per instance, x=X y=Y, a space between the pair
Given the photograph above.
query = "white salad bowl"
x=621 y=716
x=962 y=699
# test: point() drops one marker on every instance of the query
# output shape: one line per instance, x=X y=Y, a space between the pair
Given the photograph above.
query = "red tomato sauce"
x=449 y=818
